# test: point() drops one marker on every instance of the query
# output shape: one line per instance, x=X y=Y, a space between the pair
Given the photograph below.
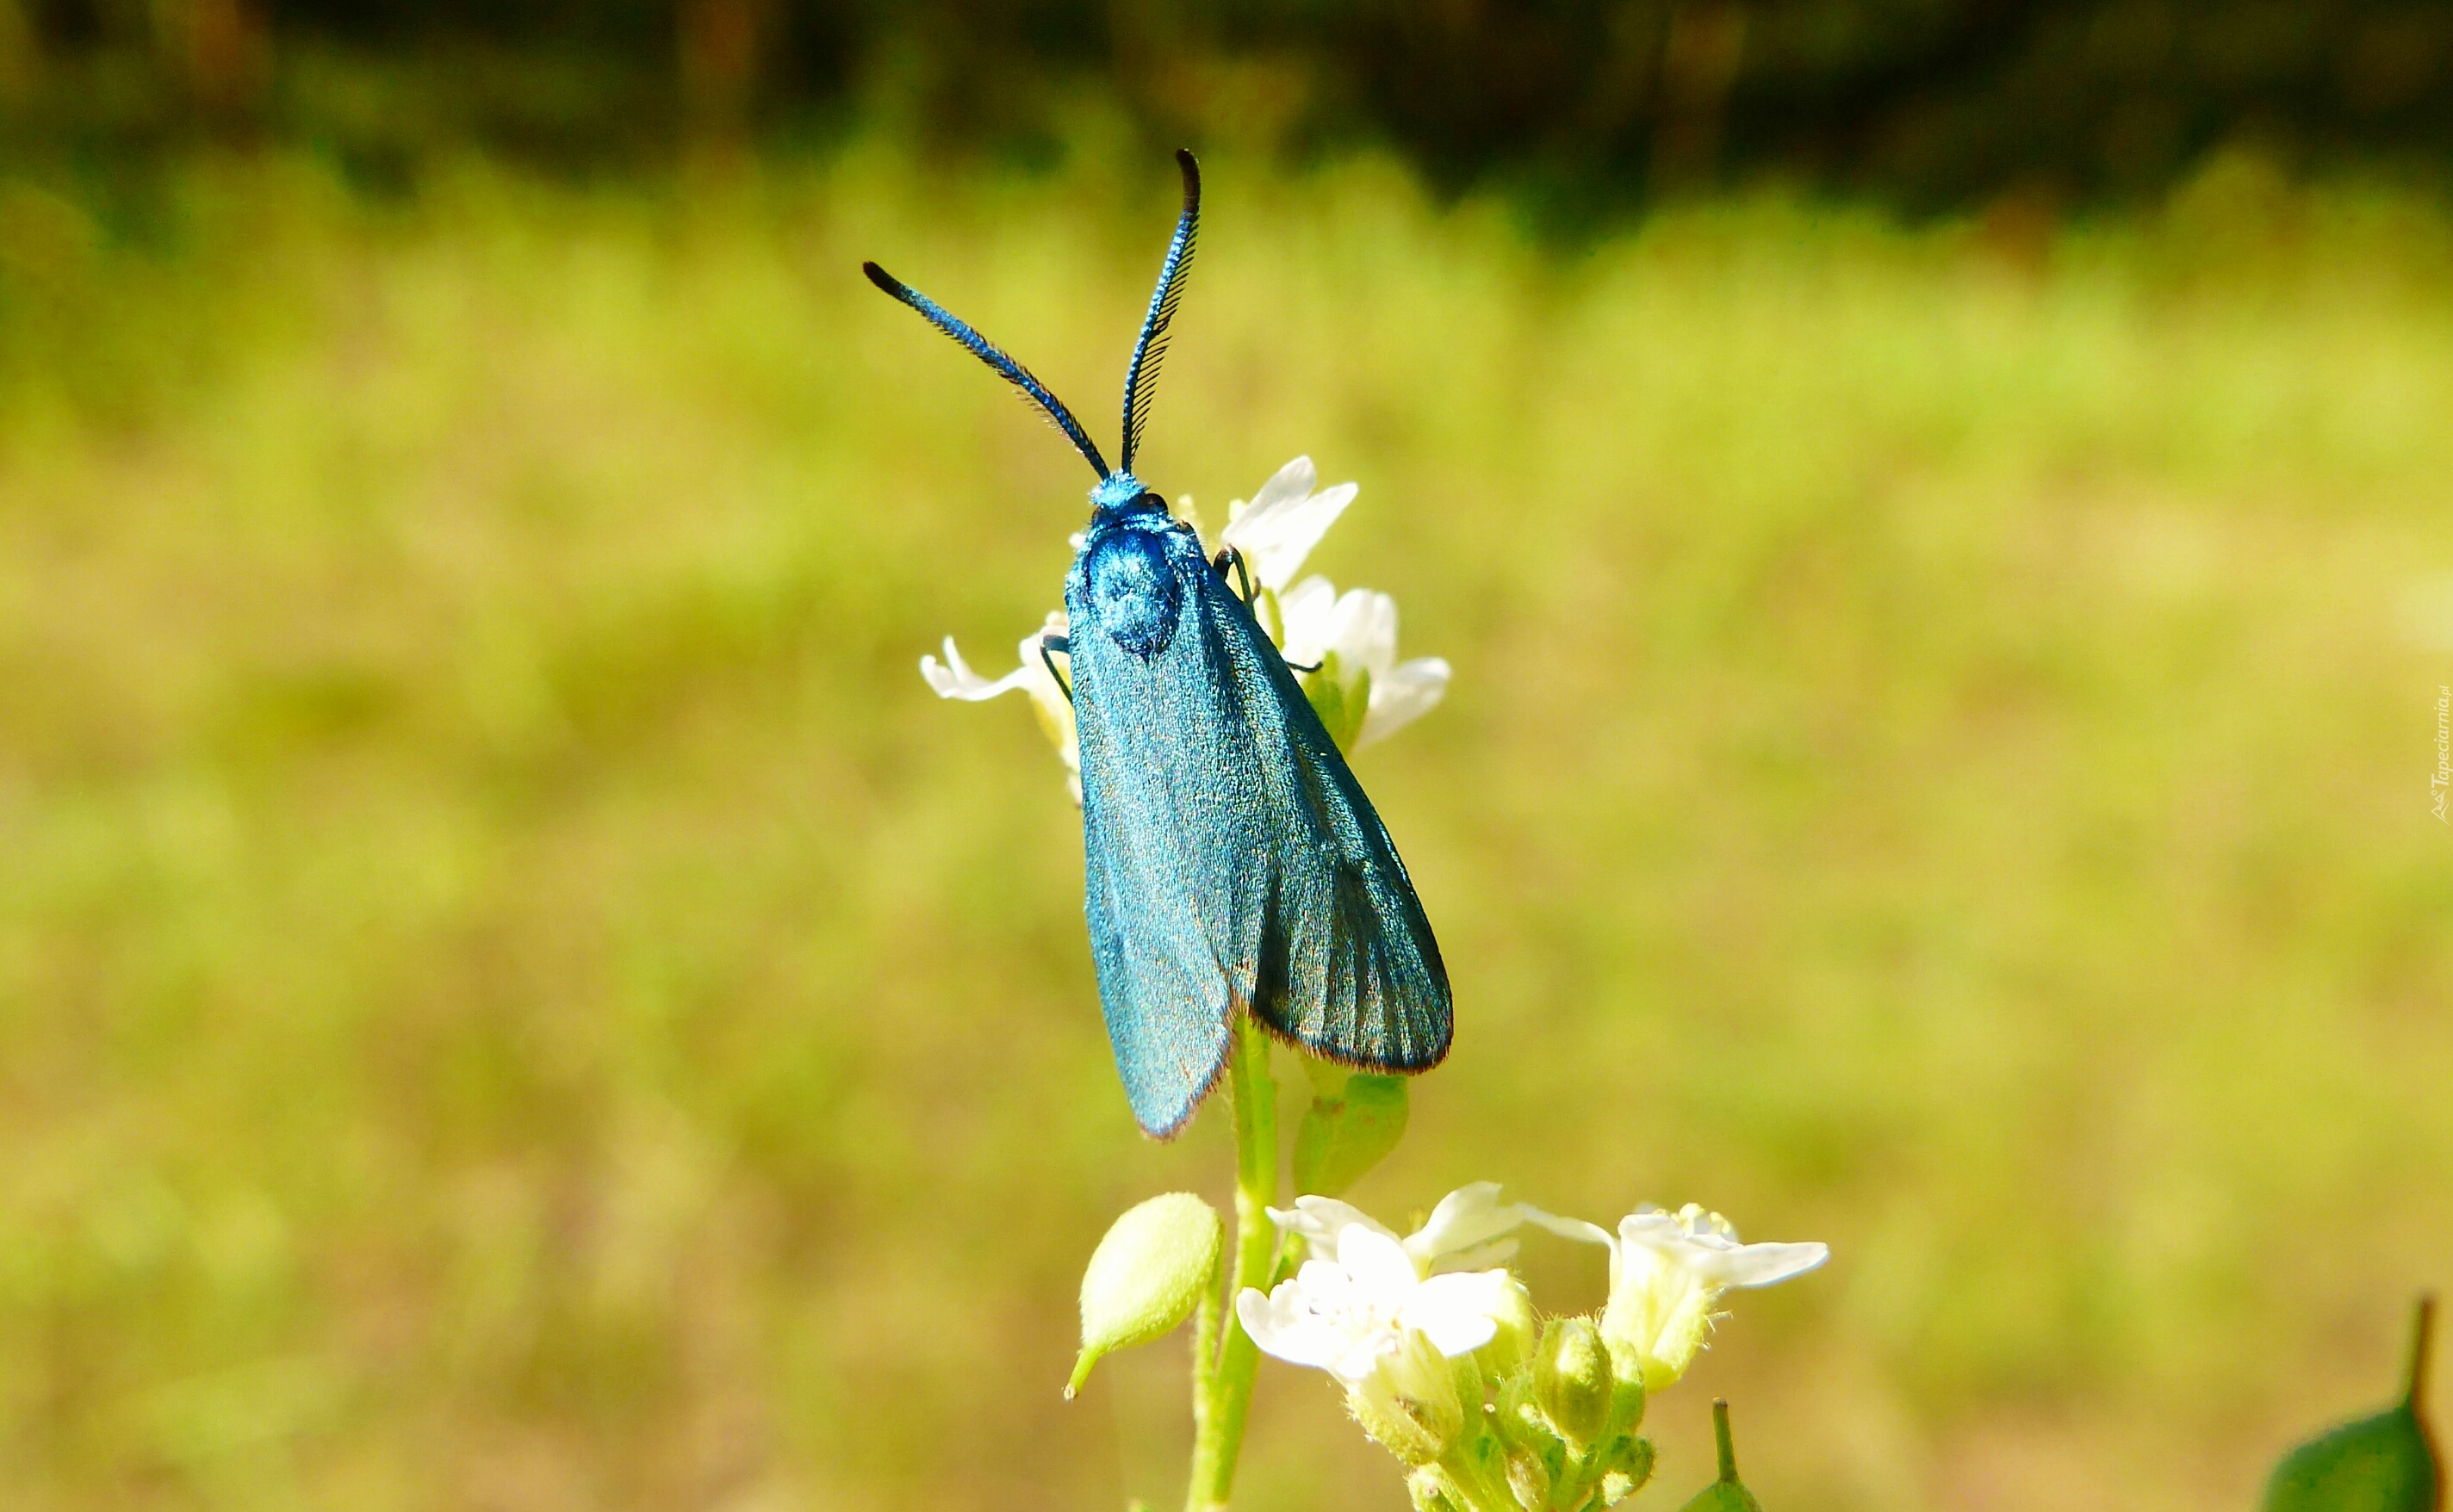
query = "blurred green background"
x=513 y=994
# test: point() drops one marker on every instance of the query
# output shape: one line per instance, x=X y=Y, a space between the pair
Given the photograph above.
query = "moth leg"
x=1049 y=645
x=1298 y=667
x=1233 y=557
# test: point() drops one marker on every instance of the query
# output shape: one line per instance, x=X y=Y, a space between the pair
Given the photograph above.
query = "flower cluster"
x=1362 y=692
x=1436 y=1346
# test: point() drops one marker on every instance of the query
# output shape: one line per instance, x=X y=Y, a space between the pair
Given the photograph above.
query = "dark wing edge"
x=1350 y=969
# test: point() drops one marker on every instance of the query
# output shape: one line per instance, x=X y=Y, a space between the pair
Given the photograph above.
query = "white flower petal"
x=1356 y=1313
x=955 y=679
x=1668 y=1270
x=1575 y=1228
x=1408 y=692
x=1364 y=631
x=1289 y=485
x=1763 y=1264
x=1359 y=1362
x=1457 y=1312
x=1318 y=1221
x=1327 y=1283
x=1283 y=522
x=1470 y=1218
x=1379 y=1263
x=1306 y=610
x=1480 y=1256
x=1284 y=1328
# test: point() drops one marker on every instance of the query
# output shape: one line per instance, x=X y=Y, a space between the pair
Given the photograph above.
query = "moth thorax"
x=1133 y=591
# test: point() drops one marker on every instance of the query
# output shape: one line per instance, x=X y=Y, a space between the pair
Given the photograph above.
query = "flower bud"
x=1528 y=1478
x=1512 y=1345
x=1147 y=1276
x=1409 y=1404
x=1482 y=1456
x=1628 y=1393
x=1572 y=1379
x=1432 y=1491
x=1340 y=692
x=1518 y=1418
x=1626 y=1467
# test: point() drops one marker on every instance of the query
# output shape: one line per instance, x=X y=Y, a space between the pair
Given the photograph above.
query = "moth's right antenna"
x=985 y=351
x=1141 y=379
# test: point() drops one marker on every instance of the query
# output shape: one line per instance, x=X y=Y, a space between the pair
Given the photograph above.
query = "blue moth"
x=1232 y=863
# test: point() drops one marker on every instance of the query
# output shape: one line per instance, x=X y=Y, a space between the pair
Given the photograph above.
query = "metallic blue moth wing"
x=1232 y=861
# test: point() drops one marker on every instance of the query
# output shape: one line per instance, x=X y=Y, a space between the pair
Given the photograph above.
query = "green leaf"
x=2385 y=1463
x=1343 y=1138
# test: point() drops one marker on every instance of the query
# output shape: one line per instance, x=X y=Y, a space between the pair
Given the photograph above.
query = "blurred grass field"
x=513 y=995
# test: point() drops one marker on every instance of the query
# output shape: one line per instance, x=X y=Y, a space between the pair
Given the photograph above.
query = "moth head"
x=1122 y=494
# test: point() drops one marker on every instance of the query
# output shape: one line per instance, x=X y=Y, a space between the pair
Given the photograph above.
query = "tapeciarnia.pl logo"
x=2441 y=783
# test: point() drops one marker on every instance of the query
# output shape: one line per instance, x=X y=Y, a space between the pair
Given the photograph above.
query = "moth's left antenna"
x=1141 y=379
x=985 y=351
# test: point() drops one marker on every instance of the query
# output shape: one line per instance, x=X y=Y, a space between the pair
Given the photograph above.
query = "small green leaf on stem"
x=2384 y=1463
x=1343 y=1138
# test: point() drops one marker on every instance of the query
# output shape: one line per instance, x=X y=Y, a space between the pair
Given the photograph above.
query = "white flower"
x=1364 y=692
x=1468 y=1230
x=1352 y=639
x=1283 y=522
x=1346 y=1315
x=1668 y=1271
x=1381 y=1315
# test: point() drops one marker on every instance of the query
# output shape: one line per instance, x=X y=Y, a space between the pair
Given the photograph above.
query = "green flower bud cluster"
x=1549 y=1424
x=1434 y=1341
x=1555 y=1432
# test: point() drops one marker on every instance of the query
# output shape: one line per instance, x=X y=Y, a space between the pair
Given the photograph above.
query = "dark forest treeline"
x=1931 y=102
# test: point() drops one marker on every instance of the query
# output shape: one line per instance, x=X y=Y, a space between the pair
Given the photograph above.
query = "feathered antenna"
x=985 y=351
x=1141 y=379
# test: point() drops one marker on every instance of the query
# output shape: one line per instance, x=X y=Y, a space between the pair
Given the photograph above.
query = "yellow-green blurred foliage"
x=513 y=995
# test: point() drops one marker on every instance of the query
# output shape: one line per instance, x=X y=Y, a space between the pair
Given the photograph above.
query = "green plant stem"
x=1204 y=1358
x=1223 y=1383
x=2422 y=1329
